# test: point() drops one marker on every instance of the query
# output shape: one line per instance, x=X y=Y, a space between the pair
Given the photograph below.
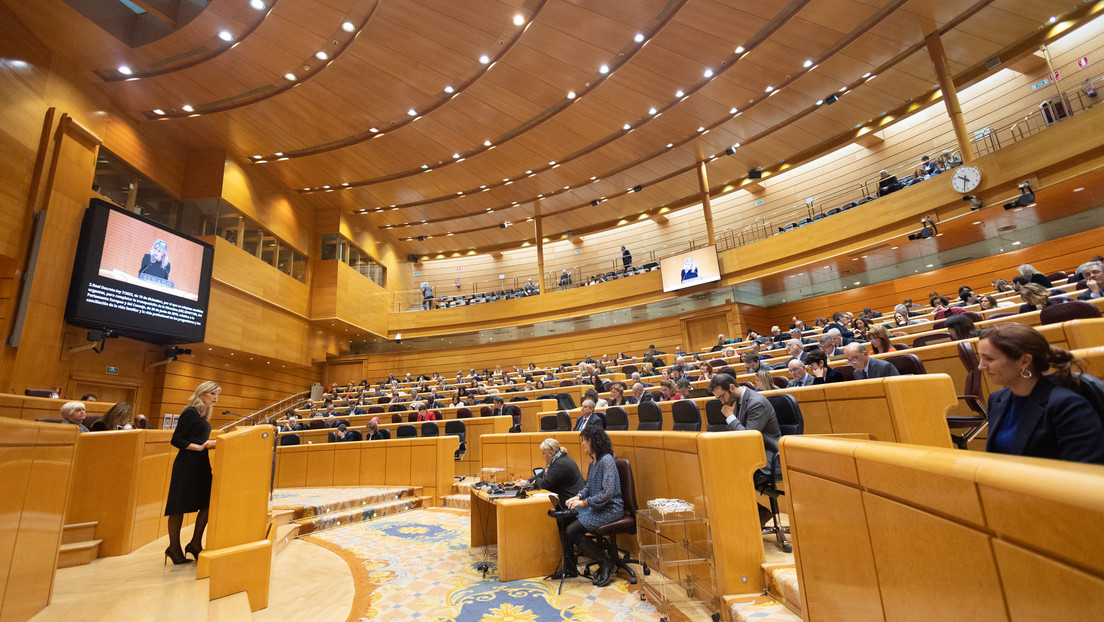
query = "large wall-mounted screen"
x=139 y=278
x=690 y=268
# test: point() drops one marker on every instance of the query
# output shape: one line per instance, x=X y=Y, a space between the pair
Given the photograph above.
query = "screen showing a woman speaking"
x=690 y=268
x=139 y=278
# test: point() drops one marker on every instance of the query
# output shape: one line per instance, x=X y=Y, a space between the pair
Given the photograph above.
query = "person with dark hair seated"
x=424 y=414
x=816 y=363
x=1035 y=415
x=340 y=435
x=597 y=503
x=960 y=327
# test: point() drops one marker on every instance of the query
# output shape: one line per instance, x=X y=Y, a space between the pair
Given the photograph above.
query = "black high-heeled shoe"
x=175 y=560
x=194 y=550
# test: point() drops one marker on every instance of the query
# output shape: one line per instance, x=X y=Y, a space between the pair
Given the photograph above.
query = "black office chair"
x=686 y=416
x=616 y=419
x=354 y=435
x=406 y=431
x=715 y=421
x=429 y=428
x=649 y=416
x=463 y=413
x=563 y=421
x=789 y=422
x=907 y=364
x=515 y=417
x=289 y=439
x=385 y=434
x=605 y=537
x=564 y=401
x=394 y=408
x=548 y=423
x=455 y=427
x=973 y=396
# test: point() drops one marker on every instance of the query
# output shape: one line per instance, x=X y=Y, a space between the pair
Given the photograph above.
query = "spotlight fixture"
x=831 y=99
x=484 y=59
x=637 y=188
x=421 y=238
x=595 y=203
x=187 y=108
x=505 y=224
x=639 y=37
x=1027 y=195
x=975 y=203
x=755 y=173
x=126 y=71
x=927 y=230
x=519 y=20
x=604 y=69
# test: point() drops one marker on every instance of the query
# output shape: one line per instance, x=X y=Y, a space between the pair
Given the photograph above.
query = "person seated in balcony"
x=887 y=183
x=764 y=381
x=1036 y=415
x=424 y=414
x=861 y=327
x=989 y=302
x=919 y=175
x=816 y=363
x=668 y=391
x=1035 y=297
x=839 y=322
x=314 y=412
x=565 y=278
x=967 y=296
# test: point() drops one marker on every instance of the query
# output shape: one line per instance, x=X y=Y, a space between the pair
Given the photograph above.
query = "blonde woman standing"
x=190 y=486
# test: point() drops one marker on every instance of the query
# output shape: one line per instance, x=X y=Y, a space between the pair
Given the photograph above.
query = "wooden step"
x=781 y=581
x=232 y=608
x=78 y=532
x=758 y=608
x=281 y=517
x=284 y=535
x=78 y=553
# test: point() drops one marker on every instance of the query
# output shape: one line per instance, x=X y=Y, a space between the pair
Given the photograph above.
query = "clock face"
x=965 y=178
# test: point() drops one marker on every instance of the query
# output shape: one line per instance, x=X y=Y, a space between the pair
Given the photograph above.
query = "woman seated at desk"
x=598 y=503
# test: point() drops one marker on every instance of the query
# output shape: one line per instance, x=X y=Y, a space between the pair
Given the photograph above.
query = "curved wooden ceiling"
x=402 y=122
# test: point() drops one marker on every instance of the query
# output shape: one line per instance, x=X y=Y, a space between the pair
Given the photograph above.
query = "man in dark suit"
x=798 y=376
x=587 y=417
x=497 y=408
x=638 y=395
x=866 y=367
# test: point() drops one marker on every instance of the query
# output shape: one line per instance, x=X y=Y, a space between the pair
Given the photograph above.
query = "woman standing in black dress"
x=190 y=486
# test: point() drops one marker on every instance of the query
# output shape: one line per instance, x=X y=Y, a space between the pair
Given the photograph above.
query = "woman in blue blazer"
x=1033 y=415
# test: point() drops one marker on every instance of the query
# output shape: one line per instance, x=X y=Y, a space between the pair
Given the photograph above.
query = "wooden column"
x=707 y=210
x=538 y=228
x=950 y=95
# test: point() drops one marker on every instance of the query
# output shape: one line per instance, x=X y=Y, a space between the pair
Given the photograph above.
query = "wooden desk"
x=528 y=542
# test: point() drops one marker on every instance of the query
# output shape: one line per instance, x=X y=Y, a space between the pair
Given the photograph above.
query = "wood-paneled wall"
x=35 y=467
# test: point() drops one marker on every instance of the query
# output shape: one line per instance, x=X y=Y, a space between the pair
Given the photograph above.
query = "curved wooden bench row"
x=903 y=409
x=711 y=470
x=473 y=429
x=425 y=462
x=886 y=531
x=31 y=408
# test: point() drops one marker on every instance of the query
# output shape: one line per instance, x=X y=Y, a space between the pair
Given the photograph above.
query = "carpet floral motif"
x=418 y=565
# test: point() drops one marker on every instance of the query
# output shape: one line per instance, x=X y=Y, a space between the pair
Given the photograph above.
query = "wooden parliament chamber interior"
x=888 y=521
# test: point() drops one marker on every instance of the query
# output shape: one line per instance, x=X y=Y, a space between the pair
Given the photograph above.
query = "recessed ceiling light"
x=842 y=89
x=567 y=187
x=552 y=163
x=733 y=110
x=188 y=108
x=257 y=4
x=1053 y=18
x=158 y=111
x=320 y=55
x=278 y=154
x=652 y=110
x=976 y=222
x=289 y=76
x=412 y=112
x=626 y=127
x=571 y=94
x=679 y=93
x=348 y=26
x=529 y=172
x=866 y=75
x=1075 y=189
x=639 y=37
x=701 y=128
x=819 y=102
x=739 y=49
x=931 y=265
x=736 y=146
x=373 y=130
x=708 y=73
x=225 y=35
x=449 y=89
x=484 y=59
x=126 y=71
x=604 y=69
x=486 y=143
x=769 y=89
x=807 y=64
x=669 y=145
x=456 y=155
x=519 y=19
